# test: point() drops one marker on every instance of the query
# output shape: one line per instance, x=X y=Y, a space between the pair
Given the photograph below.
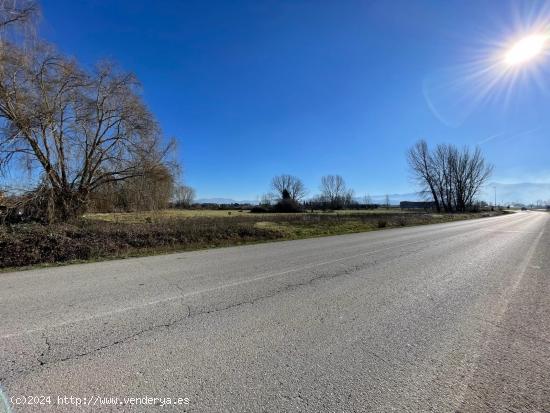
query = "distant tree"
x=334 y=191
x=293 y=186
x=367 y=199
x=183 y=196
x=286 y=203
x=424 y=172
x=451 y=176
x=348 y=199
x=266 y=199
x=286 y=194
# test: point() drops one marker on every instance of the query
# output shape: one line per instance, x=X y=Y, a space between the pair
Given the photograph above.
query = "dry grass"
x=101 y=236
x=157 y=216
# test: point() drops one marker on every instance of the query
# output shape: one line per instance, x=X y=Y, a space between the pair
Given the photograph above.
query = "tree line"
x=289 y=194
x=451 y=177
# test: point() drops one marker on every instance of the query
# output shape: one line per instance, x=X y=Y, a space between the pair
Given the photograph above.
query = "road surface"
x=445 y=318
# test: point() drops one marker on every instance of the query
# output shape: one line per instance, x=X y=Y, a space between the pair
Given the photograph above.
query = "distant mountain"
x=375 y=199
x=524 y=193
x=395 y=199
x=223 y=201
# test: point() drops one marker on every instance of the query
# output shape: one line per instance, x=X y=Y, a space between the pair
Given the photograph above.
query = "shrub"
x=260 y=209
x=28 y=244
x=287 y=205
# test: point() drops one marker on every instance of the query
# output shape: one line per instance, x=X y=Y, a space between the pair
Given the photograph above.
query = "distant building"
x=417 y=205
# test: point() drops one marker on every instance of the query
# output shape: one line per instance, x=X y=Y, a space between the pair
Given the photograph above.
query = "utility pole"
x=495 y=196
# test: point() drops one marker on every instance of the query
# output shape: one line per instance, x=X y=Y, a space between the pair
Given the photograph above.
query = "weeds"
x=87 y=239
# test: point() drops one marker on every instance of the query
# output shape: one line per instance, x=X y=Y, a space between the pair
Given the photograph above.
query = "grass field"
x=140 y=217
x=156 y=216
x=104 y=236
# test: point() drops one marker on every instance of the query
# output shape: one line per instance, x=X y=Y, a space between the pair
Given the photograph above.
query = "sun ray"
x=494 y=71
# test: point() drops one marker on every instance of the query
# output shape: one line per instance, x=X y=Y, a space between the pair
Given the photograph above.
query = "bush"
x=287 y=205
x=34 y=244
x=29 y=244
x=260 y=209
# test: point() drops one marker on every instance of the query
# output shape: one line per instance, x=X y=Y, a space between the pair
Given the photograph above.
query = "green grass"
x=348 y=223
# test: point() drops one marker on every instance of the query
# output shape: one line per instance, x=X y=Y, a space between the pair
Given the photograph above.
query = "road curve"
x=448 y=318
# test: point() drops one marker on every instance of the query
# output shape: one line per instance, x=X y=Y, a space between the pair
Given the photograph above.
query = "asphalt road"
x=444 y=318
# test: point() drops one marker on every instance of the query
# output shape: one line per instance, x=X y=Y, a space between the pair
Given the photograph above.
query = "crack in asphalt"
x=317 y=276
x=42 y=358
x=291 y=287
x=114 y=343
x=46 y=351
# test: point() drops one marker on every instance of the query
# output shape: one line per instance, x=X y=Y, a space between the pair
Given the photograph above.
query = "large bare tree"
x=293 y=186
x=78 y=130
x=423 y=170
x=452 y=177
x=470 y=172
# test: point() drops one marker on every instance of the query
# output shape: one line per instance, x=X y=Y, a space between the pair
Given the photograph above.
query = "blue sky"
x=252 y=89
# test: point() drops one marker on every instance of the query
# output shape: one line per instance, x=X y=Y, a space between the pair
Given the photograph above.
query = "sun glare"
x=526 y=49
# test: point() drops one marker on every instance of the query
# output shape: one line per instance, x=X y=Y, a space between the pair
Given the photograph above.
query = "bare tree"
x=150 y=191
x=421 y=164
x=453 y=177
x=335 y=192
x=332 y=186
x=442 y=177
x=16 y=13
x=81 y=130
x=348 y=198
x=184 y=196
x=470 y=172
x=293 y=186
x=267 y=199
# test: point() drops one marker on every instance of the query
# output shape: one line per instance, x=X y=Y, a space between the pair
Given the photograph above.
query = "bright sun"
x=526 y=49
